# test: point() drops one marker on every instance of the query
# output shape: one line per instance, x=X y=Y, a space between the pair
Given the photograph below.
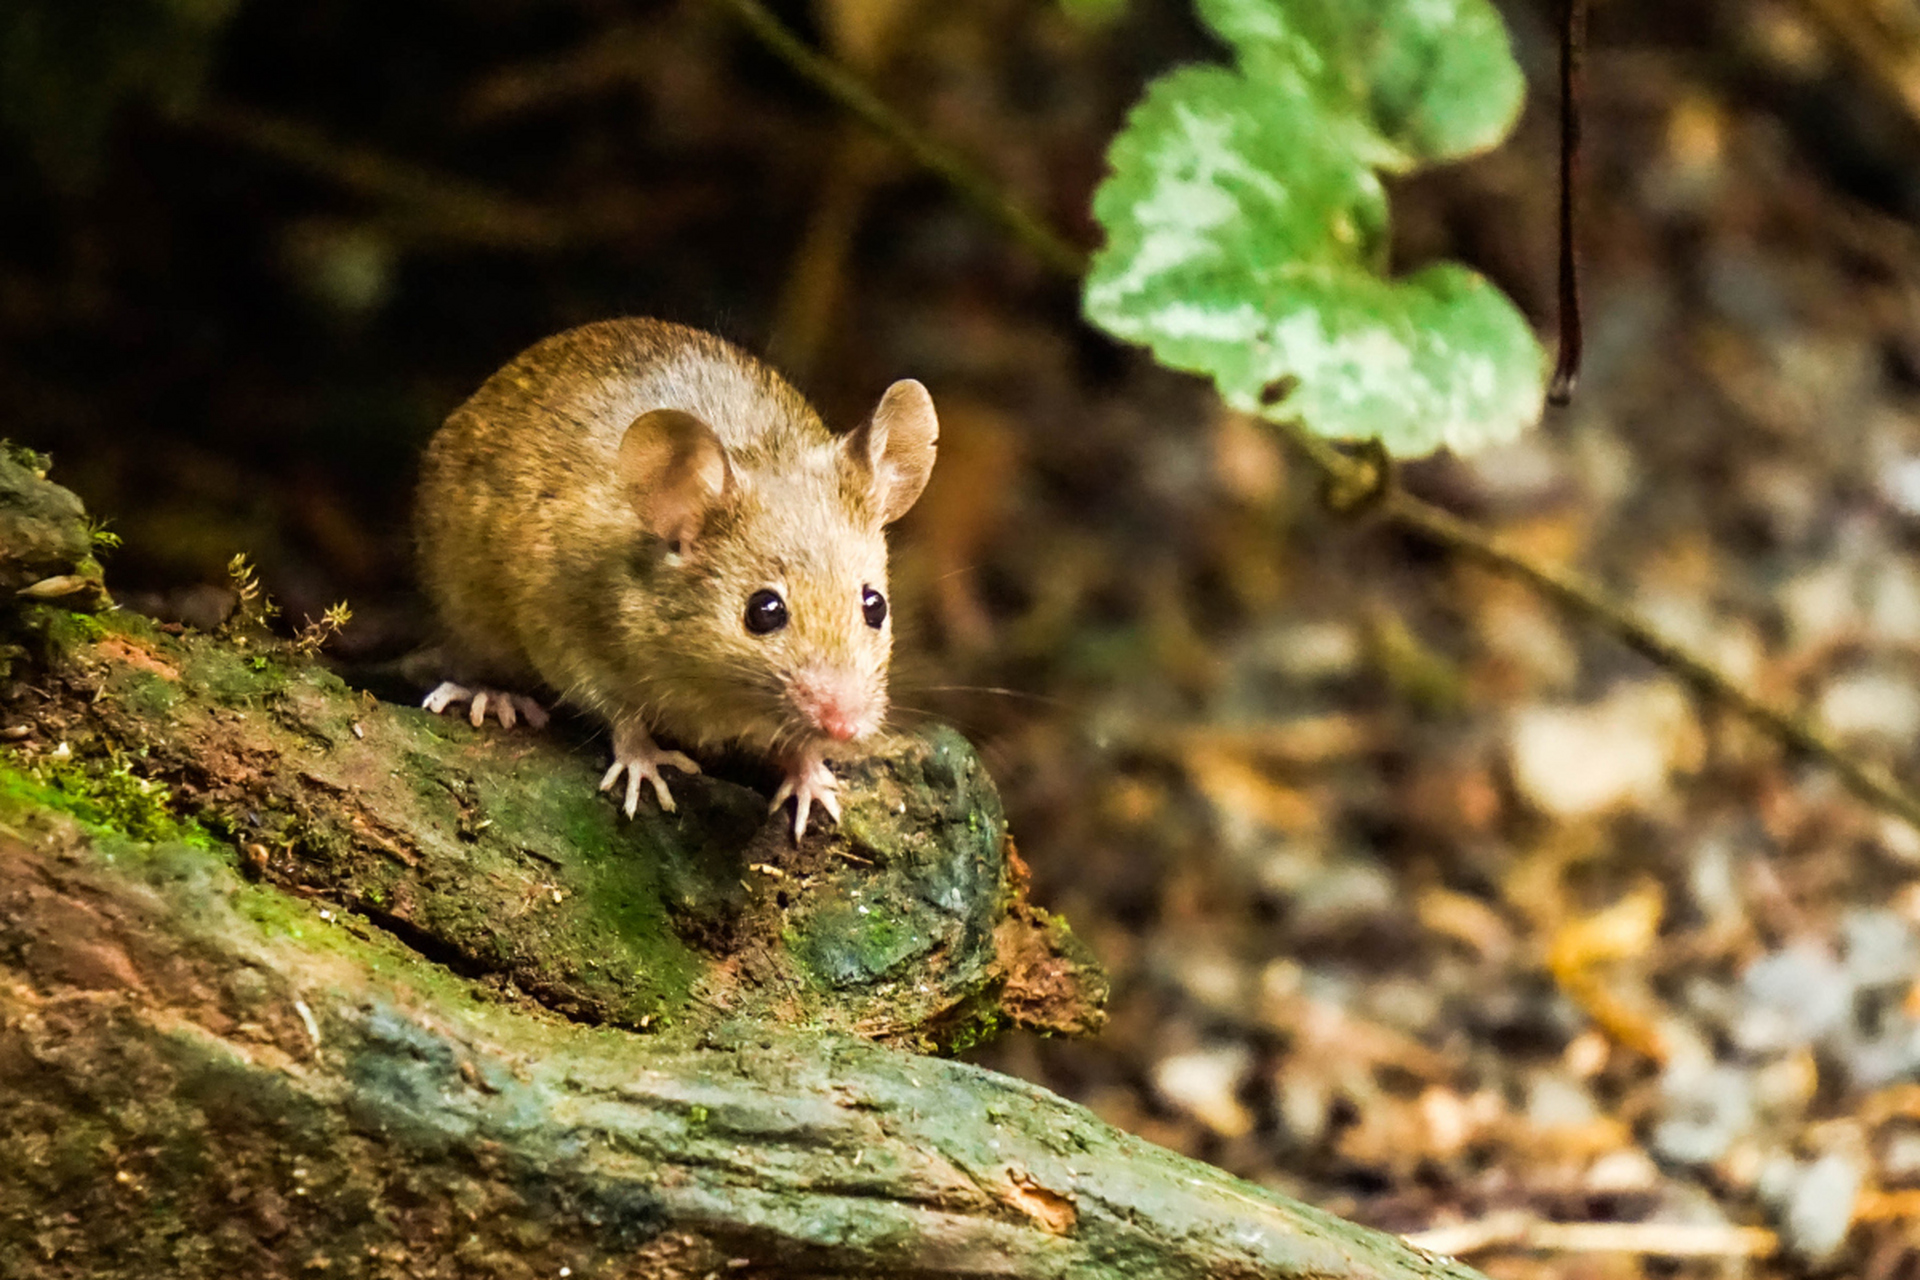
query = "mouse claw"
x=635 y=755
x=807 y=780
x=507 y=708
x=444 y=695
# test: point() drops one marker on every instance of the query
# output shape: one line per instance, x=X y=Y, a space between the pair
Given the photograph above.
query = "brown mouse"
x=658 y=528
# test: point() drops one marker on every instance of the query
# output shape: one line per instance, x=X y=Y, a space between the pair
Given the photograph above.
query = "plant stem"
x=1577 y=594
x=847 y=89
x=436 y=205
x=1587 y=600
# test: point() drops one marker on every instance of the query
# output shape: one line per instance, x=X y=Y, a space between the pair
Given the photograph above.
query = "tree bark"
x=294 y=982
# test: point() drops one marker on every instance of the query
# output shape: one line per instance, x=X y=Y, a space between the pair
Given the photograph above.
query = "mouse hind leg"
x=485 y=682
x=507 y=707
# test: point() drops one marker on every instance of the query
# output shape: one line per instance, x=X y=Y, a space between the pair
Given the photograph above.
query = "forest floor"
x=1423 y=902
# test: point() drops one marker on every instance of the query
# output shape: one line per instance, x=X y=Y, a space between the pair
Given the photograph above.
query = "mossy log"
x=293 y=981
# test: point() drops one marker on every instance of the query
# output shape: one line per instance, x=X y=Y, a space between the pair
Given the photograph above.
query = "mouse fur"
x=598 y=515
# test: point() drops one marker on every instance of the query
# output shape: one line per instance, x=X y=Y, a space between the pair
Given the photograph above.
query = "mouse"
x=655 y=528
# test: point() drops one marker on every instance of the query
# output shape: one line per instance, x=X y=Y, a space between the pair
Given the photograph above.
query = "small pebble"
x=1712 y=880
x=1794 y=997
x=1820 y=606
x=1888 y=1058
x=1901 y=839
x=1302 y=1102
x=1524 y=632
x=1209 y=976
x=1311 y=651
x=1519 y=474
x=1870 y=704
x=1623 y=1171
x=1818 y=1210
x=1900 y=485
x=1786 y=1085
x=1574 y=761
x=1204 y=1085
x=1354 y=887
x=1893 y=603
x=1555 y=1102
x=1900 y=1159
x=1880 y=948
x=1706 y=1106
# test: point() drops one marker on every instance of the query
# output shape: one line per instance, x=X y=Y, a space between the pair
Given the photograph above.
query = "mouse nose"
x=838 y=725
x=833 y=702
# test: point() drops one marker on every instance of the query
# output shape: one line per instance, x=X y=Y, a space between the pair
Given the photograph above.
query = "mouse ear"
x=675 y=472
x=893 y=450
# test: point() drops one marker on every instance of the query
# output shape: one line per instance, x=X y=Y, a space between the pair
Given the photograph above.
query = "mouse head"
x=768 y=570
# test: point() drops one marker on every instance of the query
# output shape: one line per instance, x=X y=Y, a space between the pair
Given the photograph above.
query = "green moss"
x=278 y=914
x=61 y=630
x=236 y=676
x=612 y=941
x=146 y=693
x=584 y=818
x=66 y=630
x=844 y=946
x=980 y=1029
x=104 y=796
x=31 y=459
x=326 y=706
x=509 y=859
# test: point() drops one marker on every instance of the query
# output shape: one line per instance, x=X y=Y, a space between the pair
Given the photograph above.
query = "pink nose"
x=837 y=724
x=833 y=702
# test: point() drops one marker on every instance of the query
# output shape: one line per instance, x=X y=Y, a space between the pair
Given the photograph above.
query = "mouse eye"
x=873 y=606
x=766 y=611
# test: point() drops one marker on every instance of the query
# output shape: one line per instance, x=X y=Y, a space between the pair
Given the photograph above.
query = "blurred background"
x=1422 y=902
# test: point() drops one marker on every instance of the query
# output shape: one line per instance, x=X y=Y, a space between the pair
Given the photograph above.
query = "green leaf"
x=1247 y=224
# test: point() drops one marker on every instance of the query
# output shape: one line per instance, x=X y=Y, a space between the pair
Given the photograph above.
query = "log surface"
x=294 y=982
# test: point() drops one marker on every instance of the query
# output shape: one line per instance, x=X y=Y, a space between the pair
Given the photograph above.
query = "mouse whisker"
x=926 y=715
x=954 y=573
x=997 y=691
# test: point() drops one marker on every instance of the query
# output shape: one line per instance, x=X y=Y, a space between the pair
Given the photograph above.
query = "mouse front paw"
x=808 y=780
x=508 y=708
x=637 y=755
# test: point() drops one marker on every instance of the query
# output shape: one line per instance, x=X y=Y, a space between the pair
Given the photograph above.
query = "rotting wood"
x=246 y=1026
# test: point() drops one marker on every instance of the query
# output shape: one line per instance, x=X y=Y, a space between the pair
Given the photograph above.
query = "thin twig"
x=1592 y=603
x=1582 y=596
x=1573 y=40
x=1574 y=592
x=1887 y=54
x=446 y=207
x=847 y=89
x=1521 y=1230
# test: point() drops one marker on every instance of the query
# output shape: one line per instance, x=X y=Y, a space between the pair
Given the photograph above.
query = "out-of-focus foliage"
x=1247 y=224
x=1094 y=13
x=66 y=65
